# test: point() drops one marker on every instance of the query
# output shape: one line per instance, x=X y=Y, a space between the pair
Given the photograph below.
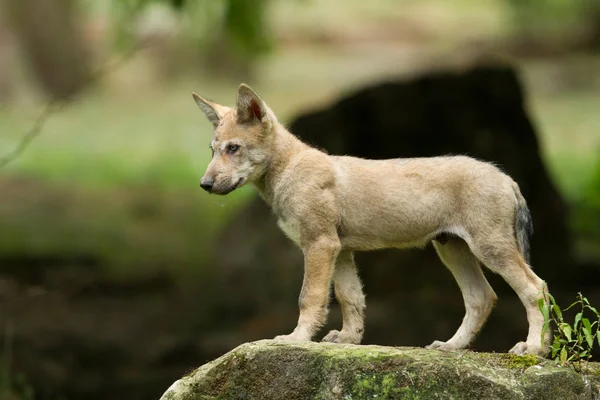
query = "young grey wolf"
x=333 y=206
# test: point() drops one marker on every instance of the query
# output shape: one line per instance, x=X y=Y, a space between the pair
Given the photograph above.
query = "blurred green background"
x=109 y=189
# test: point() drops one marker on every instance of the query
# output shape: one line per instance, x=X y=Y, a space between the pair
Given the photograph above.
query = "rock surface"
x=275 y=370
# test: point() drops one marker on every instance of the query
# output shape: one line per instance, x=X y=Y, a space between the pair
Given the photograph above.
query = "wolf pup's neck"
x=284 y=146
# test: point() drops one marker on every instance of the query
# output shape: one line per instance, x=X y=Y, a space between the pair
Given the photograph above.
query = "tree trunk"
x=49 y=38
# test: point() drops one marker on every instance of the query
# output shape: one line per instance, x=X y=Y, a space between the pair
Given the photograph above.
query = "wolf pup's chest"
x=291 y=228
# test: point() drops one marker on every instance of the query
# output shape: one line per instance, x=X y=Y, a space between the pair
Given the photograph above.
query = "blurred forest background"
x=110 y=285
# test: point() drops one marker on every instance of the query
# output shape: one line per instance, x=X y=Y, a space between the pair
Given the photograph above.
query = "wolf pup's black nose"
x=207 y=184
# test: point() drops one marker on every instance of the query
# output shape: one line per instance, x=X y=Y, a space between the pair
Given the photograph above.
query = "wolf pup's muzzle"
x=207 y=184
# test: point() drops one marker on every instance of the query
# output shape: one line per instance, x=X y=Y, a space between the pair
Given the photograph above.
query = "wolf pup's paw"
x=439 y=345
x=522 y=348
x=292 y=337
x=341 y=337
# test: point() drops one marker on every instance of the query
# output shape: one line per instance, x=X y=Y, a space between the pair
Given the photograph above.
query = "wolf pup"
x=333 y=206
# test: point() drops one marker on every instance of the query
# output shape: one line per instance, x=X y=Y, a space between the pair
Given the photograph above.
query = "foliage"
x=572 y=342
x=245 y=24
x=241 y=21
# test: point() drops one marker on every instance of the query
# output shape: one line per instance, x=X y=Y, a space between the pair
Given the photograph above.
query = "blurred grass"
x=110 y=140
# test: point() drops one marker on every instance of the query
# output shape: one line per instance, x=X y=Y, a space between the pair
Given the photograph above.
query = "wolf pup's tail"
x=523 y=224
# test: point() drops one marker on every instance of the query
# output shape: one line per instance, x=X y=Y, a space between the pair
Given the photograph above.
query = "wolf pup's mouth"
x=232 y=188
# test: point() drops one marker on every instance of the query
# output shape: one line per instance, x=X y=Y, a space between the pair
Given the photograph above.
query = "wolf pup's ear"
x=250 y=106
x=213 y=111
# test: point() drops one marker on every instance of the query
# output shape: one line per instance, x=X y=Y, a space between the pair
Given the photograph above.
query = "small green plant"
x=571 y=342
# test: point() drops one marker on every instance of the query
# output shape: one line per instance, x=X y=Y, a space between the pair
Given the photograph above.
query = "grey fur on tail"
x=523 y=224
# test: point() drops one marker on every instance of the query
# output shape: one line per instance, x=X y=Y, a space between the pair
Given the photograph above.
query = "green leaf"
x=543 y=306
x=557 y=312
x=555 y=344
x=566 y=329
x=577 y=319
x=584 y=299
x=555 y=348
x=544 y=330
x=587 y=331
x=563 y=355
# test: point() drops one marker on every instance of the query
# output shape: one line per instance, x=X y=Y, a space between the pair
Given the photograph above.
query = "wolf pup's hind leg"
x=508 y=262
x=478 y=295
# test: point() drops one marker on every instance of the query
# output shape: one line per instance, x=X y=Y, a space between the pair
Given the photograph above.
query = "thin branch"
x=55 y=104
x=32 y=133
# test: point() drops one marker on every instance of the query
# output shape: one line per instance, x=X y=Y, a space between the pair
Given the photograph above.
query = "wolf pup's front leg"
x=319 y=259
x=349 y=294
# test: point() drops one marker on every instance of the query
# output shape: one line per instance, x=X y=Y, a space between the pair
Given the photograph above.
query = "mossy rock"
x=293 y=371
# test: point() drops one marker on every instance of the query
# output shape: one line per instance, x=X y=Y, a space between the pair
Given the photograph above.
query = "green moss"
x=376 y=385
x=521 y=362
x=510 y=361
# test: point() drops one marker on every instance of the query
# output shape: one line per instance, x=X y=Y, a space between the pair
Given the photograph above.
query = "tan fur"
x=332 y=206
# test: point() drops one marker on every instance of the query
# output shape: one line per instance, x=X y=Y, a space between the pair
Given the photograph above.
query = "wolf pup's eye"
x=232 y=148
